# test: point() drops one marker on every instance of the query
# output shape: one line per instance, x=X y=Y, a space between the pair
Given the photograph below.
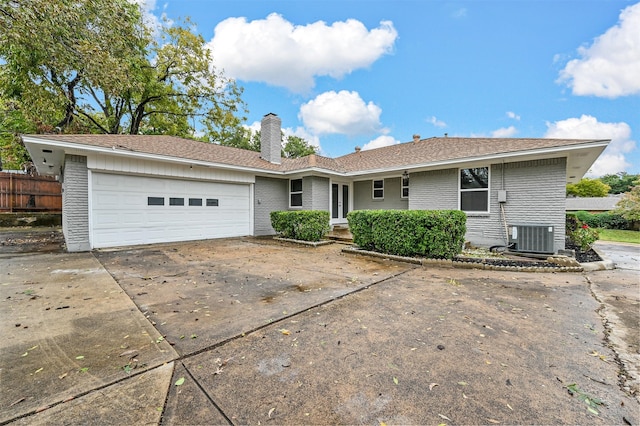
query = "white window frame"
x=374 y=189
x=487 y=190
x=403 y=186
x=291 y=193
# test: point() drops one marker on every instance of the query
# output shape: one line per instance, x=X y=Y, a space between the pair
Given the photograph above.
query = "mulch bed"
x=583 y=256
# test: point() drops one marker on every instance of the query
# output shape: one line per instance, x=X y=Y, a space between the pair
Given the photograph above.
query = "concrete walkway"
x=251 y=332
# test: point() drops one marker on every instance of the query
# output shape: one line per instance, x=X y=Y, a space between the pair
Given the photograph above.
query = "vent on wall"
x=531 y=238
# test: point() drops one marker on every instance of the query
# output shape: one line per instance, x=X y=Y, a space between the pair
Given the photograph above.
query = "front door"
x=339 y=202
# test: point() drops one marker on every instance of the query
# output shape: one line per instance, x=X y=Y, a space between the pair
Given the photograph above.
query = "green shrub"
x=607 y=220
x=584 y=236
x=427 y=233
x=306 y=225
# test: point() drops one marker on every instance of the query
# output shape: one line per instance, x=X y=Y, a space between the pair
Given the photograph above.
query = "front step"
x=340 y=233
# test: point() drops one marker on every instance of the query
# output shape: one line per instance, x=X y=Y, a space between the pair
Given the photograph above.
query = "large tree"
x=292 y=146
x=629 y=206
x=91 y=66
x=620 y=182
x=588 y=188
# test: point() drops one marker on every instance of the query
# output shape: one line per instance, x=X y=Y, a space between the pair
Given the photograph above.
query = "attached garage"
x=128 y=209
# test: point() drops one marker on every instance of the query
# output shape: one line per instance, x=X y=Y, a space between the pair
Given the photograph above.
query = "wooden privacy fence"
x=25 y=193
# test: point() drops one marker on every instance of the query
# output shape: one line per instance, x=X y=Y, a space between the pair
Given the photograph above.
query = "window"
x=474 y=190
x=155 y=201
x=212 y=202
x=404 y=187
x=176 y=201
x=295 y=193
x=195 y=201
x=378 y=189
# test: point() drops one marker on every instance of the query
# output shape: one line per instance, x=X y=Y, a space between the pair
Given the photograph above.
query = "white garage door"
x=129 y=210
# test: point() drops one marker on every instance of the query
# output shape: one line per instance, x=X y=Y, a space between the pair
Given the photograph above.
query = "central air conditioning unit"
x=531 y=238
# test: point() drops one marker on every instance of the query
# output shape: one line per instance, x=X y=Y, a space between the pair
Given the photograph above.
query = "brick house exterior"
x=181 y=189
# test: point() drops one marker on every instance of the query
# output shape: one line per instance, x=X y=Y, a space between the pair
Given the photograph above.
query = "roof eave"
x=81 y=149
x=594 y=147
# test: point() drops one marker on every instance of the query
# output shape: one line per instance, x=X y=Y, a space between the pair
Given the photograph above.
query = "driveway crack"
x=624 y=377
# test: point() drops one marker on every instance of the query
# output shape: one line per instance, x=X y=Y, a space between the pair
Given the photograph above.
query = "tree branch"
x=98 y=125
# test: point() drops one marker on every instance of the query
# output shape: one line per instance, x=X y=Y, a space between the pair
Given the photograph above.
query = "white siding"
x=123 y=164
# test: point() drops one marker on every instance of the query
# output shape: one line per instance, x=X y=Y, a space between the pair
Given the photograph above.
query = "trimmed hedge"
x=435 y=234
x=305 y=225
x=606 y=220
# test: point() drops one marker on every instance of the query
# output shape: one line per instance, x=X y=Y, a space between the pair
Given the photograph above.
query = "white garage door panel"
x=120 y=214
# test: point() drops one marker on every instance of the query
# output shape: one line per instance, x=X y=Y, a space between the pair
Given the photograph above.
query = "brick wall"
x=75 y=203
x=270 y=195
x=315 y=193
x=436 y=190
x=535 y=195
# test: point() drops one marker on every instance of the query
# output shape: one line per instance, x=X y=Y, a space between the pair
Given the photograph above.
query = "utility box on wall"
x=502 y=196
x=532 y=238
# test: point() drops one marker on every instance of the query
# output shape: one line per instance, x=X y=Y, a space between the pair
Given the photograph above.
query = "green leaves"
x=592 y=402
x=92 y=66
x=305 y=225
x=430 y=233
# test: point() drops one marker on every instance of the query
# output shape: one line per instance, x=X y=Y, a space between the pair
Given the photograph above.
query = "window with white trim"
x=295 y=193
x=378 y=189
x=474 y=190
x=404 y=187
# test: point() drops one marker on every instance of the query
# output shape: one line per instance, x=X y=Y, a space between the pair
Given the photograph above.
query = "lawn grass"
x=619 y=236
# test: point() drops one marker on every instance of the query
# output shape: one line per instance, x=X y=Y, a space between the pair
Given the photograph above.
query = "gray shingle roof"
x=434 y=150
x=420 y=153
x=593 y=204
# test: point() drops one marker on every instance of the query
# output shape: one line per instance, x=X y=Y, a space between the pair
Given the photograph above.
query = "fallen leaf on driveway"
x=80 y=357
x=445 y=417
x=17 y=402
x=271 y=411
x=285 y=331
x=131 y=353
x=433 y=385
x=463 y=383
x=179 y=382
x=395 y=380
x=495 y=422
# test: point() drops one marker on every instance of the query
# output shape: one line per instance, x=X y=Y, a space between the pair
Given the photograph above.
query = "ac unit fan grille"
x=532 y=238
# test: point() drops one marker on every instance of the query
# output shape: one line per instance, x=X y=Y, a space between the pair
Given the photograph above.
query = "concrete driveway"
x=248 y=331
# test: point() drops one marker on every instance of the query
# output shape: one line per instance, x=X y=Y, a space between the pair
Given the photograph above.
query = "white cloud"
x=150 y=19
x=342 y=112
x=438 y=123
x=300 y=132
x=611 y=65
x=380 y=141
x=277 y=52
x=513 y=115
x=612 y=160
x=504 y=132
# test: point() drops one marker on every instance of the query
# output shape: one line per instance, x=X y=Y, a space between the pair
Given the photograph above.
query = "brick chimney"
x=416 y=138
x=270 y=138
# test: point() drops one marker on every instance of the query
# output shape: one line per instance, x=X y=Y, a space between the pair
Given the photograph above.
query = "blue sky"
x=371 y=73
